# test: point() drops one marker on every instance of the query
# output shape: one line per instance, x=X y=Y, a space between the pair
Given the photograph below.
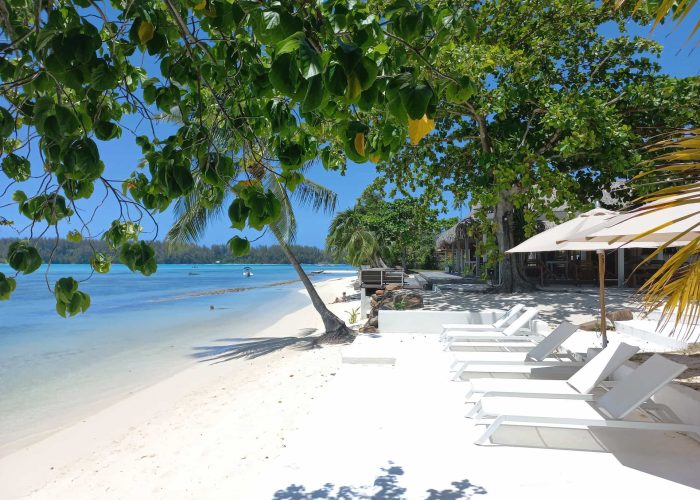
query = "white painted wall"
x=420 y=321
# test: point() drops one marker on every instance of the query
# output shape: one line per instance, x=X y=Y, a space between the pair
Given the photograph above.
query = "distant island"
x=67 y=252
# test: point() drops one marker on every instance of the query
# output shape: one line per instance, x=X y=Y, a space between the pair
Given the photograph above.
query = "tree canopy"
x=394 y=232
x=555 y=113
x=331 y=80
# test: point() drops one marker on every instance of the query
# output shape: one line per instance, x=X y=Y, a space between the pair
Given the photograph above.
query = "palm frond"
x=675 y=286
x=192 y=217
x=284 y=228
x=675 y=289
x=314 y=195
x=349 y=241
x=678 y=10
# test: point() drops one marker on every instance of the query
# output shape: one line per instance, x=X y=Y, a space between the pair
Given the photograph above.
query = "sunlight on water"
x=138 y=330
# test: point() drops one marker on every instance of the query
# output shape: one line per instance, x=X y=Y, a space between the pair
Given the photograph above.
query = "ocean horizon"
x=138 y=330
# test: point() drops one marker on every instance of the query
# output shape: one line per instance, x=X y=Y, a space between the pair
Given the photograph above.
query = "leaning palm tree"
x=197 y=210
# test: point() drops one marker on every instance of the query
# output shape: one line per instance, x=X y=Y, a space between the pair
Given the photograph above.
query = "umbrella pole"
x=601 y=280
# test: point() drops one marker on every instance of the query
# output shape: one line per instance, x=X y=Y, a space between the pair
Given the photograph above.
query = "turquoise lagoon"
x=137 y=331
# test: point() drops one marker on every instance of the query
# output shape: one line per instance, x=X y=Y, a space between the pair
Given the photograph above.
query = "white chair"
x=497 y=326
x=583 y=381
x=511 y=333
x=607 y=411
x=538 y=354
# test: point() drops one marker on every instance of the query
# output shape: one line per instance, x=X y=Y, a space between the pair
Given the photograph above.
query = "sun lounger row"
x=585 y=399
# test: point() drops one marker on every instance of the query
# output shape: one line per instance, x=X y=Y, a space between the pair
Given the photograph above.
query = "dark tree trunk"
x=336 y=329
x=512 y=278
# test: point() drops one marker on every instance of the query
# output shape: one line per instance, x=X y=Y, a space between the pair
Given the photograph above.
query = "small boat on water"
x=247 y=272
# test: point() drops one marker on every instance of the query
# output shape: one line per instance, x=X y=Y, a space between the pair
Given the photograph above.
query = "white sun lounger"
x=538 y=354
x=511 y=333
x=583 y=381
x=498 y=325
x=608 y=411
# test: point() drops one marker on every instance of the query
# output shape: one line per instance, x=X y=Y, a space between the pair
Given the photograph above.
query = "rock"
x=373 y=321
x=408 y=300
x=379 y=293
x=368 y=329
x=593 y=326
x=392 y=286
x=620 y=315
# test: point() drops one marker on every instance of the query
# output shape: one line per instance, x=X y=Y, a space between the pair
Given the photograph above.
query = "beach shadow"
x=251 y=348
x=671 y=456
x=385 y=487
x=556 y=303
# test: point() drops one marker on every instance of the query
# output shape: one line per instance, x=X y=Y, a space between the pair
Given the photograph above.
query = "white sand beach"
x=207 y=432
x=255 y=421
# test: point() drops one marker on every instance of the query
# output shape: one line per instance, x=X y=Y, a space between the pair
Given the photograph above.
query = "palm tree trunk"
x=336 y=329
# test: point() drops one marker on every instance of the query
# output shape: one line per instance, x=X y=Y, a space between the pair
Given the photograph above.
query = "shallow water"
x=137 y=331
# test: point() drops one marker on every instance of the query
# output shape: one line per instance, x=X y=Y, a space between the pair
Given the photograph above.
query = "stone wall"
x=391 y=298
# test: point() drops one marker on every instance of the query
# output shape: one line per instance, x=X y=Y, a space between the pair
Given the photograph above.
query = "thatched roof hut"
x=448 y=237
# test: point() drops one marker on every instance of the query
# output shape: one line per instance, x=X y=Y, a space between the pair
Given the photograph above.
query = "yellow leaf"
x=374 y=158
x=200 y=5
x=146 y=30
x=354 y=88
x=360 y=143
x=417 y=129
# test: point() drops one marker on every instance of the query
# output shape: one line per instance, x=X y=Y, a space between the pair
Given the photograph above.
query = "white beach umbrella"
x=567 y=236
x=555 y=238
x=672 y=222
x=675 y=221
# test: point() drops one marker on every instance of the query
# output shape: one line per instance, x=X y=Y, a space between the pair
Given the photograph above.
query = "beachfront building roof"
x=457 y=248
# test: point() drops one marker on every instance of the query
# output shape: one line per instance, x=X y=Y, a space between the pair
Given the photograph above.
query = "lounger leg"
x=475 y=411
x=493 y=427
x=470 y=392
x=458 y=374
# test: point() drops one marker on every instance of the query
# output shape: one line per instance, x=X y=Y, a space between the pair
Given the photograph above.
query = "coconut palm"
x=349 y=240
x=195 y=211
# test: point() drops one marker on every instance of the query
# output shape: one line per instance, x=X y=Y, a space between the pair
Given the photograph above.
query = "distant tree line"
x=67 y=252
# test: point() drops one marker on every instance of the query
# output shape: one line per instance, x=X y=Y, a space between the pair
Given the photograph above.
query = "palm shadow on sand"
x=254 y=347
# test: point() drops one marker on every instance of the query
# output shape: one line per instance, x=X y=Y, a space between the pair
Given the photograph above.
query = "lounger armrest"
x=582 y=422
x=467 y=326
x=541 y=395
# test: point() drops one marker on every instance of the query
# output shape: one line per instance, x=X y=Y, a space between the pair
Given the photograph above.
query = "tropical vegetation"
x=290 y=81
x=68 y=252
x=560 y=104
x=383 y=232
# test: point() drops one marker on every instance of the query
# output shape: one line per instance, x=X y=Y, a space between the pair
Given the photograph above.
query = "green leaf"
x=106 y=131
x=309 y=60
x=23 y=257
x=100 y=262
x=16 y=167
x=238 y=213
x=283 y=74
x=74 y=236
x=7 y=286
x=314 y=94
x=239 y=246
x=416 y=99
x=461 y=91
x=7 y=123
x=290 y=44
x=336 y=81
x=366 y=72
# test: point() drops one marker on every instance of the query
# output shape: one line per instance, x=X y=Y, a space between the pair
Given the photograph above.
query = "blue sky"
x=121 y=156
